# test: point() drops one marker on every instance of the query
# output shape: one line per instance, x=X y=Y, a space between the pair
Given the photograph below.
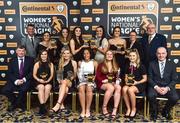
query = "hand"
x=159 y=90
x=135 y=82
x=20 y=82
x=105 y=81
x=164 y=90
x=41 y=81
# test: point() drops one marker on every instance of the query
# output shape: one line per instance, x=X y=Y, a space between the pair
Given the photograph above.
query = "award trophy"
x=131 y=76
x=92 y=42
x=69 y=75
x=53 y=43
x=59 y=75
x=110 y=77
x=119 y=47
x=90 y=78
x=44 y=75
x=86 y=42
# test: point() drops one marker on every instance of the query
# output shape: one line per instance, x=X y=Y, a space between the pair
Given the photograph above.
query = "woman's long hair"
x=105 y=66
x=74 y=36
x=40 y=60
x=116 y=27
x=61 y=38
x=61 y=60
x=103 y=35
x=138 y=61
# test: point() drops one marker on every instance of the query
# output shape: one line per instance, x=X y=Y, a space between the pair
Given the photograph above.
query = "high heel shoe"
x=113 y=116
x=55 y=111
x=105 y=114
x=127 y=116
x=132 y=117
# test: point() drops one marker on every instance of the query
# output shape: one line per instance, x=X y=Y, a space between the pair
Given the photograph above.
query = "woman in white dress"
x=86 y=71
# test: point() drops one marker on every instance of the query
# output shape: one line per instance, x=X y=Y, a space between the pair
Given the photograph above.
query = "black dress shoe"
x=11 y=108
x=166 y=115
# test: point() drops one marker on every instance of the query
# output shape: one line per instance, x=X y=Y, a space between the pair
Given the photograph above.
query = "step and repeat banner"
x=52 y=15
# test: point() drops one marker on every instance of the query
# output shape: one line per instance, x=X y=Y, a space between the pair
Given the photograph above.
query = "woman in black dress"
x=77 y=44
x=66 y=75
x=64 y=39
x=135 y=82
x=43 y=74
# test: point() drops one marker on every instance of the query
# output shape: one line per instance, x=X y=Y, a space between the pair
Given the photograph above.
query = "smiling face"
x=66 y=55
x=78 y=32
x=117 y=32
x=86 y=55
x=65 y=33
x=151 y=29
x=46 y=37
x=30 y=31
x=133 y=57
x=20 y=52
x=99 y=32
x=44 y=56
x=109 y=56
x=161 y=54
x=132 y=36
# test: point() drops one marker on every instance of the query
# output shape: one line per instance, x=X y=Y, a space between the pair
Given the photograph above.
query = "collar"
x=30 y=37
x=19 y=58
x=161 y=61
x=133 y=64
x=152 y=36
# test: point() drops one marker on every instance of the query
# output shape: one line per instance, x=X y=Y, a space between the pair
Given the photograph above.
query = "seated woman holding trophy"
x=86 y=73
x=135 y=82
x=107 y=77
x=65 y=76
x=43 y=74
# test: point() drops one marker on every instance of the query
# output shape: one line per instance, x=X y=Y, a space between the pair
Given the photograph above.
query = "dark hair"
x=39 y=57
x=45 y=33
x=21 y=47
x=132 y=32
x=31 y=24
x=74 y=35
x=103 y=35
x=90 y=51
x=61 y=38
x=116 y=27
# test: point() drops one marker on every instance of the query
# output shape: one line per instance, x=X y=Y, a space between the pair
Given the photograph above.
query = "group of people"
x=116 y=66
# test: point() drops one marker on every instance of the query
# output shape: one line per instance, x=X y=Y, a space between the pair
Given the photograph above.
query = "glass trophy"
x=43 y=76
x=59 y=75
x=119 y=47
x=110 y=77
x=93 y=42
x=130 y=78
x=86 y=42
x=69 y=75
x=53 y=43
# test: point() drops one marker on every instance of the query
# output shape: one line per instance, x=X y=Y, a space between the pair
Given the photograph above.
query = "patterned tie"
x=32 y=41
x=149 y=39
x=162 y=69
x=21 y=69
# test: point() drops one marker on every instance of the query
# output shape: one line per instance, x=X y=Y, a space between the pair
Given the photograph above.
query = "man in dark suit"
x=30 y=41
x=19 y=76
x=150 y=42
x=162 y=79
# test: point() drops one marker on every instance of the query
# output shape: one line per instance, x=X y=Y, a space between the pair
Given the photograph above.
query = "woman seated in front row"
x=43 y=74
x=107 y=77
x=135 y=82
x=65 y=76
x=86 y=71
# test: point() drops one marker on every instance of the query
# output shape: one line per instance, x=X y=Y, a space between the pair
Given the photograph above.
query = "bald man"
x=162 y=79
x=150 y=42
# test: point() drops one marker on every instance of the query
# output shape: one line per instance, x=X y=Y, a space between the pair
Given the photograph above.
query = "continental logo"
x=86 y=2
x=168 y=45
x=72 y=27
x=2 y=36
x=11 y=44
x=176 y=19
x=3 y=52
x=3 y=82
x=87 y=36
x=10 y=28
x=2 y=20
x=9 y=11
x=74 y=11
x=3 y=67
x=1 y=3
x=177 y=69
x=97 y=11
x=166 y=10
x=94 y=28
x=166 y=27
x=132 y=6
x=176 y=1
x=86 y=19
x=175 y=36
x=28 y=8
x=175 y=53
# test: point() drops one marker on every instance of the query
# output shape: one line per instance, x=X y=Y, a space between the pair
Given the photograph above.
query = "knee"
x=110 y=89
x=174 y=98
x=124 y=89
x=151 y=96
x=41 y=87
x=118 y=89
x=89 y=90
x=81 y=90
x=131 y=91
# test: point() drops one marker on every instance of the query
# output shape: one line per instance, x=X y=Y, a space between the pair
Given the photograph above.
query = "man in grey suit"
x=30 y=41
x=162 y=79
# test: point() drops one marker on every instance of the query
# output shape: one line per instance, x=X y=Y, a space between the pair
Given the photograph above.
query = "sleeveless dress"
x=78 y=56
x=44 y=72
x=85 y=69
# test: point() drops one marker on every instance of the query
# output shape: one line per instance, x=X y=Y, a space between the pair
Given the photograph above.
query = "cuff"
x=24 y=79
x=155 y=86
x=168 y=88
x=16 y=82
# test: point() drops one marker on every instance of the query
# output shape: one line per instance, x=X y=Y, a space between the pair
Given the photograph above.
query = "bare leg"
x=89 y=96
x=126 y=100
x=117 y=96
x=41 y=94
x=82 y=99
x=47 y=92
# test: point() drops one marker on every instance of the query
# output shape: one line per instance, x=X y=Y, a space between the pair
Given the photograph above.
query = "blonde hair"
x=105 y=66
x=61 y=60
x=138 y=61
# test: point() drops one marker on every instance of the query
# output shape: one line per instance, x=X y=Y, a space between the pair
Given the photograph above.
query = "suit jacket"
x=30 y=50
x=149 y=50
x=13 y=70
x=169 y=77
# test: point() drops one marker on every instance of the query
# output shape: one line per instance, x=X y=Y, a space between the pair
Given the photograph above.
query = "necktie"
x=162 y=69
x=21 y=69
x=32 y=42
x=149 y=39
